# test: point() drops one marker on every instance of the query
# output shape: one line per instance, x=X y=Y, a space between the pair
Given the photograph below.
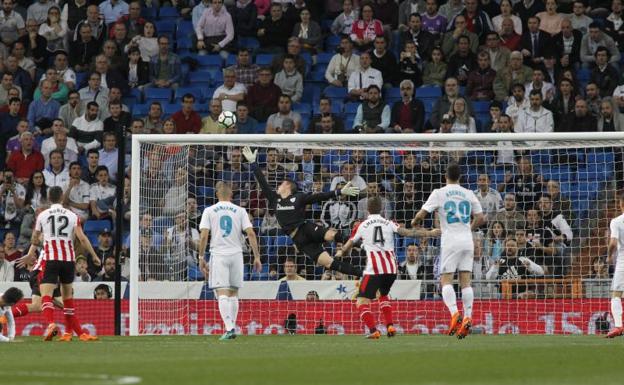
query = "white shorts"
x=453 y=260
x=226 y=271
x=617 y=284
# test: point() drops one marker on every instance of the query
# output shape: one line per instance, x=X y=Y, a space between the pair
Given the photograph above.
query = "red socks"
x=48 y=308
x=71 y=321
x=19 y=310
x=367 y=317
x=386 y=309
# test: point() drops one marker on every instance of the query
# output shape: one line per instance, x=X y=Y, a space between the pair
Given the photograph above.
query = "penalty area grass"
x=315 y=360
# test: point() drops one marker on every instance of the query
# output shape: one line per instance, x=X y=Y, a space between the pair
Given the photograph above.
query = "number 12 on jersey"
x=451 y=208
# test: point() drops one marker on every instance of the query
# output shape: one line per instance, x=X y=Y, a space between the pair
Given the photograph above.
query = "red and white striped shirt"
x=377 y=236
x=57 y=225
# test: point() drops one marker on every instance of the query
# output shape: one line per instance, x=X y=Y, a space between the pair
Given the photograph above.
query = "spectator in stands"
x=5 y=86
x=373 y=190
x=42 y=111
x=550 y=20
x=563 y=103
x=12 y=25
x=477 y=21
x=325 y=109
x=526 y=184
x=480 y=82
x=89 y=172
x=82 y=275
x=342 y=64
x=509 y=38
x=60 y=144
x=59 y=89
x=373 y=115
x=610 y=119
x=187 y=120
x=36 y=193
x=578 y=19
x=146 y=42
x=432 y=21
x=603 y=74
x=536 y=118
x=361 y=80
x=493 y=245
x=409 y=66
x=293 y=48
x=114 y=98
x=462 y=121
x=38 y=10
x=515 y=72
x=87 y=129
x=451 y=39
x=94 y=91
x=109 y=268
x=210 y=125
x=348 y=173
x=274 y=123
x=30 y=49
x=406 y=207
x=215 y=30
x=339 y=213
x=12 y=195
x=289 y=80
x=231 y=91
x=198 y=11
x=499 y=56
x=112 y=10
x=7 y=269
x=54 y=30
x=246 y=71
x=384 y=61
x=424 y=40
x=290 y=271
x=506 y=11
x=245 y=124
x=555 y=223
x=613 y=24
x=461 y=62
x=513 y=267
x=133 y=21
x=343 y=23
x=407 y=115
x=56 y=175
x=443 y=105
x=560 y=203
x=516 y=102
x=274 y=31
x=535 y=42
x=510 y=217
x=154 y=119
x=13 y=144
x=244 y=16
x=98 y=27
x=20 y=76
x=58 y=129
x=11 y=252
x=592 y=97
x=434 y=69
x=309 y=32
x=489 y=198
x=25 y=161
x=386 y=12
x=165 y=69
x=8 y=127
x=567 y=44
x=366 y=29
x=109 y=154
x=102 y=194
x=580 y=120
x=263 y=97
x=592 y=41
x=76 y=193
x=546 y=89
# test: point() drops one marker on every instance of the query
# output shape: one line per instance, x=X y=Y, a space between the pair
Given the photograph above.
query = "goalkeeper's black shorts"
x=309 y=240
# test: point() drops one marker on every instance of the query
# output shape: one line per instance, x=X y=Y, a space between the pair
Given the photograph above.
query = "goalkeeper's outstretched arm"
x=347 y=190
x=251 y=156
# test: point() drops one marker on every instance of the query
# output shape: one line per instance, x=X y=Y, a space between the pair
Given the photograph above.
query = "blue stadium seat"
x=351 y=107
x=230 y=61
x=168 y=13
x=195 y=274
x=429 y=92
x=311 y=93
x=264 y=59
x=317 y=75
x=200 y=78
x=326 y=24
x=558 y=173
x=81 y=78
x=195 y=91
x=331 y=43
x=210 y=61
x=161 y=94
x=335 y=92
x=302 y=108
x=583 y=74
x=98 y=225
x=137 y=93
x=161 y=224
x=170 y=109
x=324 y=57
x=140 y=110
x=392 y=93
x=249 y=42
x=185 y=28
x=149 y=13
x=262 y=276
x=206 y=192
x=217 y=79
x=599 y=172
x=183 y=45
x=481 y=107
x=207 y=94
x=165 y=27
x=600 y=157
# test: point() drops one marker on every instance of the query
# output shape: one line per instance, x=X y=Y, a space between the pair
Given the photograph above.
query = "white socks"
x=228 y=308
x=616 y=311
x=450 y=300
x=467 y=299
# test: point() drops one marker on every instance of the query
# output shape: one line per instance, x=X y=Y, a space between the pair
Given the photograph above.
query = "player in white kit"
x=7 y=299
x=616 y=249
x=455 y=206
x=227 y=222
x=376 y=234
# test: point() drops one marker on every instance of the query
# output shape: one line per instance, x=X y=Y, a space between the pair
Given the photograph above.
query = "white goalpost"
x=540 y=262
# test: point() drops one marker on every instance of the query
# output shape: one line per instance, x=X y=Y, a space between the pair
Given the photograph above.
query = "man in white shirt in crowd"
x=231 y=92
x=76 y=193
x=535 y=118
x=360 y=80
x=56 y=174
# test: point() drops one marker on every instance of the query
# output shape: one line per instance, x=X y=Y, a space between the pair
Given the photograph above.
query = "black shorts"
x=371 y=283
x=309 y=240
x=58 y=272
x=35 y=279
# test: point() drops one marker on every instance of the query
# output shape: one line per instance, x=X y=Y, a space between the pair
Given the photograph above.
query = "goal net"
x=540 y=261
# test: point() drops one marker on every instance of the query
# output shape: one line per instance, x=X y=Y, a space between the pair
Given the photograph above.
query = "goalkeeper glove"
x=250 y=155
x=349 y=190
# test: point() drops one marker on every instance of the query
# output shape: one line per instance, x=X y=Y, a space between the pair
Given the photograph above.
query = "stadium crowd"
x=78 y=76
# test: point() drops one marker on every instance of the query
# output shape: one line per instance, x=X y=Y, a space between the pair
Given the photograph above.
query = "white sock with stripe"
x=225 y=309
x=616 y=311
x=450 y=300
x=467 y=300
x=233 y=310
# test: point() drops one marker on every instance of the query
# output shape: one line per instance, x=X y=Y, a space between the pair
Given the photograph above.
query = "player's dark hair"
x=55 y=194
x=12 y=296
x=453 y=172
x=374 y=205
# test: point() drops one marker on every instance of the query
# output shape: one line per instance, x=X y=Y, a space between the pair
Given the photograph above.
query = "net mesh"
x=553 y=200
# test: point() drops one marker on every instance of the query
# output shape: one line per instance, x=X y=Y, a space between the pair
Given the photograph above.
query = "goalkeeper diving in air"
x=289 y=206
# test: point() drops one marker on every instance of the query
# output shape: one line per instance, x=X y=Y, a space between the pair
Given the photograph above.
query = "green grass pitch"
x=325 y=360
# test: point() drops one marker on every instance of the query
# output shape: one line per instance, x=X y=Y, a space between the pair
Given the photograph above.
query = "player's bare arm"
x=35 y=242
x=611 y=250
x=478 y=221
x=87 y=244
x=420 y=216
x=418 y=232
x=253 y=242
x=203 y=242
x=345 y=248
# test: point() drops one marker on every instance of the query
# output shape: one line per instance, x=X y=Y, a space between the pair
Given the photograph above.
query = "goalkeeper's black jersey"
x=290 y=211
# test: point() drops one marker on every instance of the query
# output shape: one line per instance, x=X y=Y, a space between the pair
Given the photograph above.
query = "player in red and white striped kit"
x=377 y=236
x=59 y=226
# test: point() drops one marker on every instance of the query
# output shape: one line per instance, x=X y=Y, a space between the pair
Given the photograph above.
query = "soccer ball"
x=227 y=119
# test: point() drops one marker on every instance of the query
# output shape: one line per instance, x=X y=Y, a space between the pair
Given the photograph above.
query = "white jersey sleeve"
x=616 y=228
x=226 y=222
x=433 y=202
x=476 y=204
